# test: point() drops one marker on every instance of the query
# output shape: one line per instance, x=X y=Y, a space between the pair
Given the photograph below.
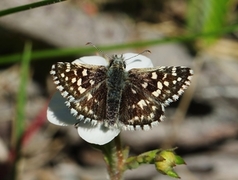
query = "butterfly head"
x=117 y=61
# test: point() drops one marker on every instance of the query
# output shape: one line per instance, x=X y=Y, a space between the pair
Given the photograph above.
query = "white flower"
x=59 y=114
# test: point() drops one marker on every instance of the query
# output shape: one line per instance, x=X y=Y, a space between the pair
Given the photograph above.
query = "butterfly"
x=120 y=98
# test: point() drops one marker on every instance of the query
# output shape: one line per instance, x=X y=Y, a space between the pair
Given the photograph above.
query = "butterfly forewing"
x=83 y=86
x=165 y=84
x=147 y=91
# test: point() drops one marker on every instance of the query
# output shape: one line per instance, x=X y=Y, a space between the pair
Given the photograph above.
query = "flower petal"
x=94 y=60
x=98 y=134
x=59 y=114
x=137 y=61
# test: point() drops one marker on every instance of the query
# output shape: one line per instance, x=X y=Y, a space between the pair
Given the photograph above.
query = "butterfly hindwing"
x=92 y=105
x=138 y=110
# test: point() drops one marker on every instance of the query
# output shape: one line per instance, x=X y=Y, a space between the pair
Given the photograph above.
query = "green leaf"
x=173 y=174
x=179 y=160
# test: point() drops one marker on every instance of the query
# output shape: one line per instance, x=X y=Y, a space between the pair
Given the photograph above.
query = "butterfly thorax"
x=116 y=76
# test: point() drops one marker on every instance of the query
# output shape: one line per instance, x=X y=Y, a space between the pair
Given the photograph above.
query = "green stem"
x=16 y=151
x=21 y=97
x=19 y=123
x=120 y=159
x=114 y=157
x=50 y=53
x=27 y=7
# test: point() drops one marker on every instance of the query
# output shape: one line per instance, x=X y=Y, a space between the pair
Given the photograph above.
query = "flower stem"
x=119 y=158
x=114 y=157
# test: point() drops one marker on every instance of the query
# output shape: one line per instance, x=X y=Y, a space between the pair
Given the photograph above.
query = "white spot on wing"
x=89 y=96
x=180 y=91
x=87 y=120
x=90 y=111
x=130 y=127
x=152 y=115
x=165 y=76
x=156 y=93
x=73 y=111
x=190 y=78
x=56 y=82
x=162 y=107
x=86 y=108
x=144 y=85
x=146 y=127
x=133 y=91
x=81 y=90
x=154 y=75
x=94 y=122
x=92 y=82
x=154 y=123
x=175 y=97
x=73 y=80
x=166 y=83
x=79 y=82
x=138 y=127
x=80 y=117
x=159 y=85
x=60 y=88
x=153 y=108
x=64 y=93
x=84 y=72
x=141 y=103
x=162 y=118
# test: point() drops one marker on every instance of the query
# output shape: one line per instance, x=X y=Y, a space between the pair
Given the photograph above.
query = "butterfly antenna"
x=145 y=51
x=100 y=51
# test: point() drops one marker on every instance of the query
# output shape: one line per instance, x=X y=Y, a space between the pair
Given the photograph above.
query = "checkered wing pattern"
x=129 y=100
x=148 y=91
x=84 y=87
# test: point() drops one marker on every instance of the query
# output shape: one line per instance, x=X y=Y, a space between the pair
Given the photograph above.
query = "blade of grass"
x=19 y=123
x=21 y=97
x=28 y=6
x=46 y=54
x=206 y=16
